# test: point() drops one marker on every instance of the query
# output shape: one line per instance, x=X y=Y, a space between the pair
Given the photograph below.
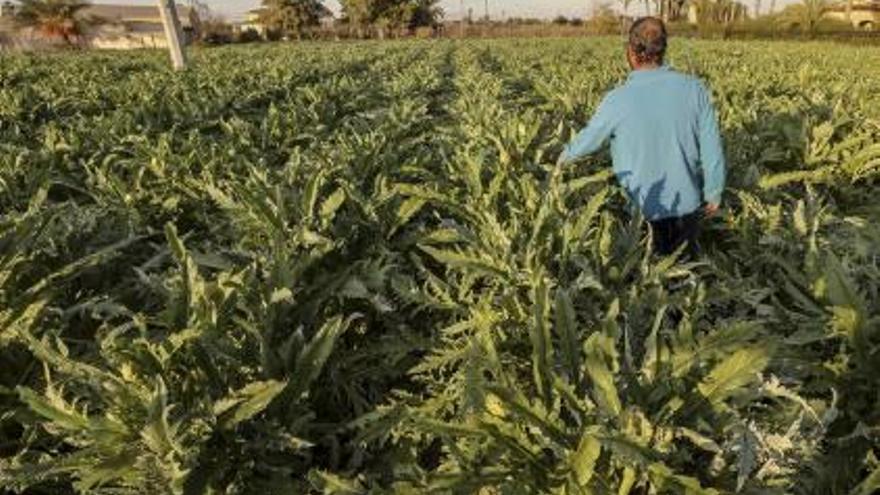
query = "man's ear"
x=630 y=57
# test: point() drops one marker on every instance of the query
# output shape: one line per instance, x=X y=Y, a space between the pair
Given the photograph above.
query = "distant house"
x=7 y=9
x=7 y=26
x=252 y=22
x=133 y=26
x=865 y=14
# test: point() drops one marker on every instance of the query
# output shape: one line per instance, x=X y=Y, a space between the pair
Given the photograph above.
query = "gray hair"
x=647 y=39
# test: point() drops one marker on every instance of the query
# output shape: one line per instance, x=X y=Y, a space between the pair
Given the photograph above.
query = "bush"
x=603 y=21
x=248 y=36
x=217 y=37
x=560 y=20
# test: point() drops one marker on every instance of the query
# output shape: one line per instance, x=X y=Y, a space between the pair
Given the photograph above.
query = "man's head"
x=647 y=43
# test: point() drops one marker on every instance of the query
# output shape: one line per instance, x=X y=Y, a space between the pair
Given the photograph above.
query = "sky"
x=233 y=9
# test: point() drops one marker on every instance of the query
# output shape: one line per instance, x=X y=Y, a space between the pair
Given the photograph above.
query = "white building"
x=865 y=14
x=252 y=22
x=133 y=26
x=106 y=26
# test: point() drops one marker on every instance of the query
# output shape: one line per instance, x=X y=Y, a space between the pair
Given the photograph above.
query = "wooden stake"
x=168 y=13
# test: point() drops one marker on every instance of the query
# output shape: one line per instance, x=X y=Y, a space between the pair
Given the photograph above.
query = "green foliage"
x=391 y=14
x=292 y=17
x=806 y=15
x=357 y=270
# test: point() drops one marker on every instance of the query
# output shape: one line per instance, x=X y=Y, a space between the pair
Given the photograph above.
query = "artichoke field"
x=353 y=268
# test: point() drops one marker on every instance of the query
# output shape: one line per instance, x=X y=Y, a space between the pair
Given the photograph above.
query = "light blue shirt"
x=665 y=142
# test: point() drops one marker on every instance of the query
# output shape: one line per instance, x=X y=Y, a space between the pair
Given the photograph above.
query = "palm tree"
x=53 y=18
x=805 y=15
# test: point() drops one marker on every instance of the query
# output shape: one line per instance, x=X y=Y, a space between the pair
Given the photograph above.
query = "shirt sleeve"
x=592 y=137
x=711 y=150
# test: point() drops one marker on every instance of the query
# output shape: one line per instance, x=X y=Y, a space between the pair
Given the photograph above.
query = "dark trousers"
x=671 y=233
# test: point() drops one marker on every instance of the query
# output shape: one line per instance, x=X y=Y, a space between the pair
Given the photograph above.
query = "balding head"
x=647 y=42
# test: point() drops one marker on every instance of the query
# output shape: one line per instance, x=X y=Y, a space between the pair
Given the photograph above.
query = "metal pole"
x=168 y=13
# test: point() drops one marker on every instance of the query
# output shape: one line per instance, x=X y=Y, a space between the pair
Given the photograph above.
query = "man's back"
x=664 y=138
x=663 y=125
x=663 y=130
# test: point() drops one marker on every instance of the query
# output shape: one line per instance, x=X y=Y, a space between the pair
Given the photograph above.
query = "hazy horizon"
x=453 y=9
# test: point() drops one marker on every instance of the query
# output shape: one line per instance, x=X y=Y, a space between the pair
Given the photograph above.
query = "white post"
x=168 y=13
x=461 y=24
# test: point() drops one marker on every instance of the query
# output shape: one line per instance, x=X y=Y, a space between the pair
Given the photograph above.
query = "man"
x=665 y=142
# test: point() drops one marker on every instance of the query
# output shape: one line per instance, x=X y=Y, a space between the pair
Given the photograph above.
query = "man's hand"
x=710 y=210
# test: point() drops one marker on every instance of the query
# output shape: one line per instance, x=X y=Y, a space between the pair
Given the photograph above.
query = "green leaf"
x=747 y=449
x=71 y=270
x=583 y=462
x=699 y=440
x=720 y=342
x=526 y=412
x=542 y=347
x=566 y=327
x=870 y=485
x=54 y=408
x=157 y=433
x=840 y=289
x=408 y=209
x=817 y=176
x=310 y=194
x=331 y=205
x=314 y=355
x=736 y=371
x=627 y=481
x=331 y=484
x=247 y=402
x=465 y=262
x=604 y=389
x=666 y=481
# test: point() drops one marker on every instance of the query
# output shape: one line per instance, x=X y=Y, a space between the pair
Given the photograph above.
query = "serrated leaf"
x=542 y=347
x=667 y=481
x=247 y=402
x=464 y=261
x=604 y=389
x=53 y=408
x=566 y=327
x=331 y=484
x=870 y=485
x=331 y=205
x=731 y=374
x=314 y=355
x=408 y=209
x=583 y=462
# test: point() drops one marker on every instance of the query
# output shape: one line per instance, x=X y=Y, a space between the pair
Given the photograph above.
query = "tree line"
x=294 y=18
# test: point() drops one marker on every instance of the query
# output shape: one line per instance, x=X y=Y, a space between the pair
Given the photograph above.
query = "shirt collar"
x=638 y=74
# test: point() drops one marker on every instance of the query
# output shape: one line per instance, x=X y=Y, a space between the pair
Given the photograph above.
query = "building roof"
x=134 y=13
x=870 y=5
